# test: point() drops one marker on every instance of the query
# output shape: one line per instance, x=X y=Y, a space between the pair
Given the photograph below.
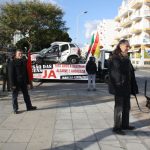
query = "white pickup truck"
x=58 y=52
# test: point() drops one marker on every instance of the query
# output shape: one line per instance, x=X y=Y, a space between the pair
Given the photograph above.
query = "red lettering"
x=52 y=74
x=45 y=74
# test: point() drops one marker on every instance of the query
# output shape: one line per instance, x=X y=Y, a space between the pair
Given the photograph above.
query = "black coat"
x=17 y=71
x=122 y=80
x=91 y=67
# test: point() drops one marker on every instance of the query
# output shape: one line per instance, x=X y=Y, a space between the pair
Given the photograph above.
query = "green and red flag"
x=90 y=47
x=96 y=47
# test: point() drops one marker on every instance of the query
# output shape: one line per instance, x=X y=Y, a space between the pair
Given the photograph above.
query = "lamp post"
x=77 y=21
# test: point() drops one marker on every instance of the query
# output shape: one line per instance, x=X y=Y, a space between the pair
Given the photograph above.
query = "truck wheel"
x=39 y=61
x=73 y=60
x=33 y=62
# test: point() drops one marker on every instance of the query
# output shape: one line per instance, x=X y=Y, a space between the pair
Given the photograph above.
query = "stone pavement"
x=69 y=118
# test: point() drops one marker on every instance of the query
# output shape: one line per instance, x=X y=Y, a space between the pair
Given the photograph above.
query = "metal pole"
x=77 y=24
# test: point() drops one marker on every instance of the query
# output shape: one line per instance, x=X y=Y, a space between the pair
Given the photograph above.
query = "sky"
x=87 y=22
x=81 y=24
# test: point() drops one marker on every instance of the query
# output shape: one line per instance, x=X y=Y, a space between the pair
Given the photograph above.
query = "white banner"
x=60 y=71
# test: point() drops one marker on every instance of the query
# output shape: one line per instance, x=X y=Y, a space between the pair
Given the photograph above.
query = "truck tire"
x=33 y=62
x=73 y=60
x=39 y=61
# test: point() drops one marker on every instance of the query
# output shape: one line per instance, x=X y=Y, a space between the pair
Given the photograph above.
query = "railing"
x=146 y=25
x=136 y=41
x=126 y=22
x=136 y=15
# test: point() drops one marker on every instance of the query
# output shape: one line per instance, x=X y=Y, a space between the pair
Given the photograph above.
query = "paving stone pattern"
x=69 y=118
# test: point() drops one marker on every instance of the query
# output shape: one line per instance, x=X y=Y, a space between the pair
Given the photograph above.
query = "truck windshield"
x=43 y=51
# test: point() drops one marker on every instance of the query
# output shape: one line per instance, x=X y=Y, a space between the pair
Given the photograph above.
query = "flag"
x=96 y=47
x=90 y=47
x=97 y=51
x=29 y=67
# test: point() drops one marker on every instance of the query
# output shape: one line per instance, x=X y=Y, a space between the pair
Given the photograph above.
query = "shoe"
x=118 y=131
x=32 y=108
x=16 y=112
x=128 y=128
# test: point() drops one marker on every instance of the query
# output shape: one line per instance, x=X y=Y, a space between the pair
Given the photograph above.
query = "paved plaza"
x=70 y=118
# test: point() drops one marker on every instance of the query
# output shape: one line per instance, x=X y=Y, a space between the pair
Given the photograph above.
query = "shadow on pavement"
x=103 y=134
x=76 y=104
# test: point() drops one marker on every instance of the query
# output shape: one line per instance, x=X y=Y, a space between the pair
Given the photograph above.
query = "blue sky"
x=73 y=9
x=97 y=10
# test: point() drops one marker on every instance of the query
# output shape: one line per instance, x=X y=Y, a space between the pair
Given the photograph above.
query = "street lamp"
x=77 y=21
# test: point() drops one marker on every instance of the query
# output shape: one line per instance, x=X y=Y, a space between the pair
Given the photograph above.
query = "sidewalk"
x=69 y=118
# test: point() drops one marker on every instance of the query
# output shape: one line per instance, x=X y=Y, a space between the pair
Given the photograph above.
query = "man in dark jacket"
x=19 y=81
x=122 y=84
x=91 y=69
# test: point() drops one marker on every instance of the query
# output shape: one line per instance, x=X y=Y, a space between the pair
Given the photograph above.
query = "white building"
x=133 y=23
x=106 y=30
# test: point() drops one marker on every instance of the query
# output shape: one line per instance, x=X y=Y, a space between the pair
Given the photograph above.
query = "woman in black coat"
x=122 y=84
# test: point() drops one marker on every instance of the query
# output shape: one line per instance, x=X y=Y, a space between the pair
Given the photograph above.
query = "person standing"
x=91 y=69
x=122 y=84
x=4 y=73
x=19 y=80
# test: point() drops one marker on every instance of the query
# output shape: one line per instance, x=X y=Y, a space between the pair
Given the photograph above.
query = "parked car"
x=63 y=52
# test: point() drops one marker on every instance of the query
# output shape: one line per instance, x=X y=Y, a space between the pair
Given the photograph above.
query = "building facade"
x=106 y=30
x=133 y=23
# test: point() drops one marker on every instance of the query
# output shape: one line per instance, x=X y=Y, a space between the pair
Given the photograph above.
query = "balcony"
x=117 y=19
x=146 y=27
x=137 y=28
x=140 y=40
x=136 y=16
x=124 y=33
x=135 y=3
x=146 y=41
x=146 y=13
x=146 y=30
x=117 y=36
x=114 y=42
x=126 y=22
x=124 y=12
x=147 y=1
x=118 y=28
x=135 y=42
